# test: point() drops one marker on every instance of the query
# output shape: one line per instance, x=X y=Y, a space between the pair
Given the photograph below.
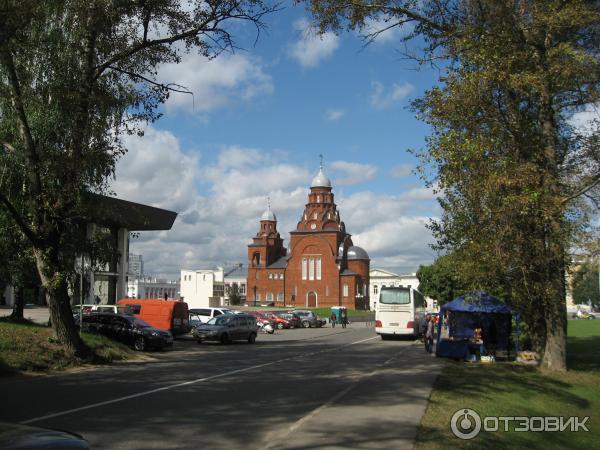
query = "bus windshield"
x=395 y=296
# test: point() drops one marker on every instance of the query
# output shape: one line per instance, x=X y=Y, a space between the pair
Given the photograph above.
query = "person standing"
x=343 y=318
x=333 y=319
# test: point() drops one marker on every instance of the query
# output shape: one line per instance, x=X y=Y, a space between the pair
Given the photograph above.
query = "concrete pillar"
x=122 y=264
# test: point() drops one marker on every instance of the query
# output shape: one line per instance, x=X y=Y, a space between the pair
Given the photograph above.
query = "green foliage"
x=440 y=280
x=586 y=285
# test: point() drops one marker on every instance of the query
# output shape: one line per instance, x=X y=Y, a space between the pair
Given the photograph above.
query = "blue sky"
x=257 y=123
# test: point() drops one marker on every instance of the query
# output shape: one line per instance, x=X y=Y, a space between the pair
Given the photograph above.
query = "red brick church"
x=321 y=266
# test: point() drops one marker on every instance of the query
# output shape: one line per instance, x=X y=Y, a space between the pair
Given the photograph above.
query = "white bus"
x=400 y=311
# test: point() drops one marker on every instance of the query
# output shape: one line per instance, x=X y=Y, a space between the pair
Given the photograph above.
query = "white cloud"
x=215 y=83
x=402 y=170
x=352 y=173
x=333 y=115
x=311 y=47
x=218 y=217
x=382 y=98
x=155 y=171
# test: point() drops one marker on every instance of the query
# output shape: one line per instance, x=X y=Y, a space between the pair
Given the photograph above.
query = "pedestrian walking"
x=343 y=318
x=333 y=320
x=429 y=335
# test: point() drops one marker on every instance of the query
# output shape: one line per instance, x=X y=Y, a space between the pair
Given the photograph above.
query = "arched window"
x=256 y=259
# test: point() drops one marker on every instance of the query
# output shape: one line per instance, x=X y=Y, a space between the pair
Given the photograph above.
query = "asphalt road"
x=304 y=388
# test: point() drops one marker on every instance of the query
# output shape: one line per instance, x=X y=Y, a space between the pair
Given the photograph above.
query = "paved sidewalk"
x=381 y=409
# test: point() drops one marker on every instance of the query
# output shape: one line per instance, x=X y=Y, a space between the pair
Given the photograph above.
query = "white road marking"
x=186 y=383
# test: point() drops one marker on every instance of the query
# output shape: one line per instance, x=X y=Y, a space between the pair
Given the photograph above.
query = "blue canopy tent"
x=466 y=313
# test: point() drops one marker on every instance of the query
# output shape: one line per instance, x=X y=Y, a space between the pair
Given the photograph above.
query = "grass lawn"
x=326 y=312
x=29 y=347
x=507 y=389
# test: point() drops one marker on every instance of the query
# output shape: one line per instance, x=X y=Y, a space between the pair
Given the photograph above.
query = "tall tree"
x=440 y=280
x=74 y=76
x=512 y=174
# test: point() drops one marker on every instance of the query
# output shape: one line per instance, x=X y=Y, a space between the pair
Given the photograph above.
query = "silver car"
x=227 y=328
x=308 y=318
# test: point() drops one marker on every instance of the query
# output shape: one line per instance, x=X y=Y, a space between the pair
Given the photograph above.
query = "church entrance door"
x=311 y=300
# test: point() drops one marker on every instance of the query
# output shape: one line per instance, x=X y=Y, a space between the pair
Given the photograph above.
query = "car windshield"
x=220 y=320
x=395 y=296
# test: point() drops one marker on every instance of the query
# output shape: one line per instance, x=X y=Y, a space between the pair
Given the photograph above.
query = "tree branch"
x=398 y=10
x=582 y=191
x=25 y=228
x=202 y=27
x=183 y=90
x=7 y=61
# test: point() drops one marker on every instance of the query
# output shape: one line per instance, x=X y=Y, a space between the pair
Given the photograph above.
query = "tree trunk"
x=54 y=281
x=555 y=351
x=18 y=306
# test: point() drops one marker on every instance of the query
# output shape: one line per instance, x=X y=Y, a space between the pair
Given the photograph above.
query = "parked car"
x=24 y=437
x=89 y=308
x=308 y=318
x=205 y=314
x=226 y=328
x=280 y=322
x=127 y=329
x=293 y=319
x=264 y=318
x=166 y=315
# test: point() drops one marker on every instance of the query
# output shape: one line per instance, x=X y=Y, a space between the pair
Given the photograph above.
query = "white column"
x=122 y=249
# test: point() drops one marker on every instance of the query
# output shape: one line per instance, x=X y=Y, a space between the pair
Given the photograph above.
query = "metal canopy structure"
x=114 y=212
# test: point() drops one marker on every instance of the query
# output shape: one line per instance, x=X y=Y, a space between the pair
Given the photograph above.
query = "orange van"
x=168 y=315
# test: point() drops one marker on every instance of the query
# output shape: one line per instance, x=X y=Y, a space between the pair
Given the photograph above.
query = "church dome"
x=355 y=252
x=321 y=180
x=268 y=215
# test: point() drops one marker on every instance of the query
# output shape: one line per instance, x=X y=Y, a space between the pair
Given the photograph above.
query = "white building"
x=136 y=266
x=382 y=278
x=153 y=288
x=203 y=288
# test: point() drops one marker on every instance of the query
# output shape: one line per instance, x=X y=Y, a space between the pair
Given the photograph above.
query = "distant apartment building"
x=153 y=288
x=136 y=266
x=203 y=287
